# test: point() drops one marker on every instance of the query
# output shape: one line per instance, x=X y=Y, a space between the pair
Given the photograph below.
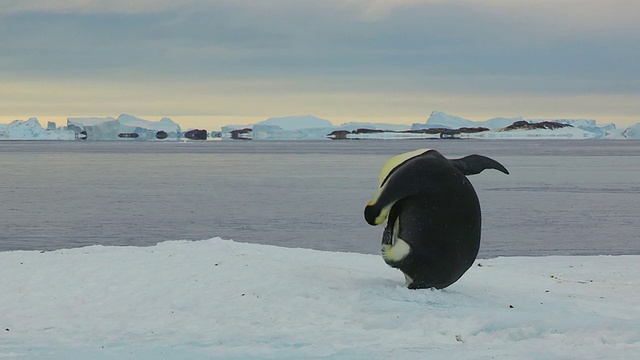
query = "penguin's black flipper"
x=474 y=164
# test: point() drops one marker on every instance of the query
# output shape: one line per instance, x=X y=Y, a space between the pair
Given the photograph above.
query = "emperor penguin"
x=433 y=215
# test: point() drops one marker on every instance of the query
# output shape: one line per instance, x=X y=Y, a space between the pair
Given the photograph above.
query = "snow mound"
x=218 y=299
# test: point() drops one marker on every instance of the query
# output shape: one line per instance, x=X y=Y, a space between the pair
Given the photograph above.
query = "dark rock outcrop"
x=444 y=133
x=368 y=131
x=241 y=134
x=525 y=125
x=128 y=135
x=196 y=134
x=339 y=134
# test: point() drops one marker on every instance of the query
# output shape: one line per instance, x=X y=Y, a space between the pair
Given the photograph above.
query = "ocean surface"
x=561 y=198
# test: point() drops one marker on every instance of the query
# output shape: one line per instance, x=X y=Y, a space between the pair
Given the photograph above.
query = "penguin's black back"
x=442 y=227
x=444 y=239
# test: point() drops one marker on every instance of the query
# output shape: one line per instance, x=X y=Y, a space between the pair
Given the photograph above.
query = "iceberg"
x=281 y=128
x=220 y=299
x=297 y=122
x=531 y=130
x=271 y=132
x=439 y=126
x=88 y=121
x=569 y=133
x=164 y=124
x=32 y=130
x=498 y=123
x=589 y=129
x=372 y=126
x=302 y=128
x=308 y=127
x=439 y=119
x=589 y=125
x=109 y=128
x=632 y=132
x=364 y=134
x=292 y=128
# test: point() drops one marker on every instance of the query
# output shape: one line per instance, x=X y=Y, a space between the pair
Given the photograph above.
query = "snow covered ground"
x=218 y=299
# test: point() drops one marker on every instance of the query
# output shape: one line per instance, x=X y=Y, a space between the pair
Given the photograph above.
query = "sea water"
x=561 y=198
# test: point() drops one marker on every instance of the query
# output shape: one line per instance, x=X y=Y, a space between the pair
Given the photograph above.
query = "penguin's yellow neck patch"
x=388 y=167
x=395 y=161
x=395 y=252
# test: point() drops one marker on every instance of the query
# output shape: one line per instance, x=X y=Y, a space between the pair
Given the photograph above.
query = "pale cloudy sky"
x=212 y=62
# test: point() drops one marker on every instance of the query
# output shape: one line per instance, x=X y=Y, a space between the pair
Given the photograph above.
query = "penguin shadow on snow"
x=432 y=215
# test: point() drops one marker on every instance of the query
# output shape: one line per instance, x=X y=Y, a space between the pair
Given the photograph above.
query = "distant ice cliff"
x=438 y=125
x=308 y=127
x=32 y=130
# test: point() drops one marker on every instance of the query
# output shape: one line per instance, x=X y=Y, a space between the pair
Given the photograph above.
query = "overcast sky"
x=212 y=62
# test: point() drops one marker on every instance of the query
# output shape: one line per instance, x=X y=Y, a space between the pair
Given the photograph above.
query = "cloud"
x=377 y=10
x=576 y=14
x=579 y=15
x=459 y=36
x=86 y=6
x=378 y=48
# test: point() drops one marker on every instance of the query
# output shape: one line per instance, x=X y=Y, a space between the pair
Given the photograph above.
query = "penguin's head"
x=377 y=211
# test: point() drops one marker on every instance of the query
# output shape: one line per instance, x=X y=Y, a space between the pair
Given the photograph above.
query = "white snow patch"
x=218 y=299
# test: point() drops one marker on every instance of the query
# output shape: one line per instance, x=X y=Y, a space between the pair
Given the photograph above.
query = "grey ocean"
x=562 y=197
